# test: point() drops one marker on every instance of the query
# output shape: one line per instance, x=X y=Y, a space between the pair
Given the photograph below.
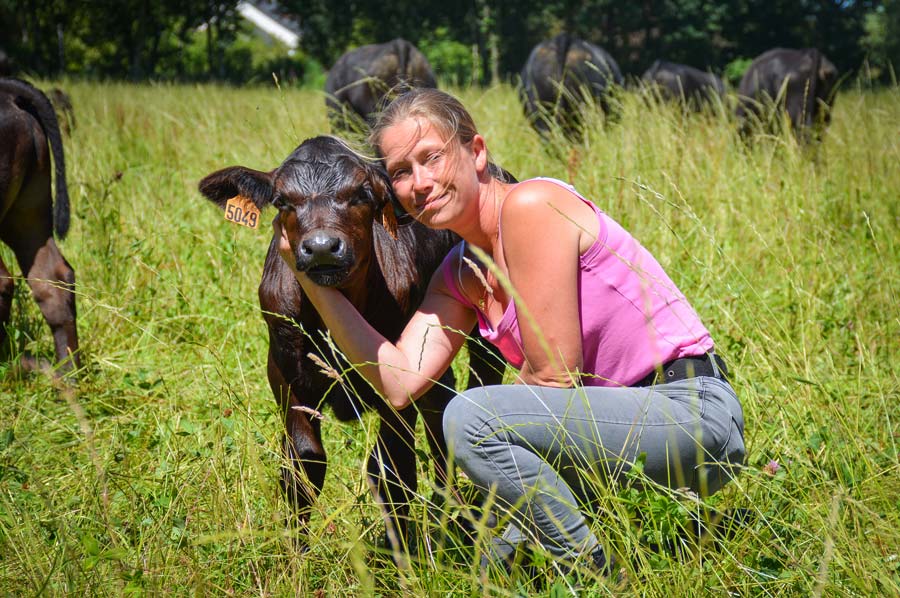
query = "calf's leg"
x=391 y=470
x=52 y=281
x=7 y=287
x=305 y=462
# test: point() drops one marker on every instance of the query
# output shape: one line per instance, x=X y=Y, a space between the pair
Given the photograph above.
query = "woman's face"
x=436 y=180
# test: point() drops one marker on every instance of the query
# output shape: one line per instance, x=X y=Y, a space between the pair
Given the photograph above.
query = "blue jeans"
x=544 y=449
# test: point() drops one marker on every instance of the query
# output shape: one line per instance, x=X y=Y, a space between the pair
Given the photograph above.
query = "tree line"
x=477 y=41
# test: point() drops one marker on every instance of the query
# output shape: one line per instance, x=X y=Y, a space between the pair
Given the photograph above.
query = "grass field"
x=158 y=473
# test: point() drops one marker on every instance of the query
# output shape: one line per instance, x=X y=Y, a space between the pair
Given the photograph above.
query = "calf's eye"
x=360 y=199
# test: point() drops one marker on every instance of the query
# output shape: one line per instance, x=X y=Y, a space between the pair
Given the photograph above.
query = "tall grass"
x=158 y=472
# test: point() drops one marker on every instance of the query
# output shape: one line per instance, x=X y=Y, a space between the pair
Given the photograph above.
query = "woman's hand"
x=403 y=371
x=287 y=253
x=284 y=244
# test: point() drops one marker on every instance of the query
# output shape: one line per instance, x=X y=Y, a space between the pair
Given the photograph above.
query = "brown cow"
x=332 y=203
x=29 y=216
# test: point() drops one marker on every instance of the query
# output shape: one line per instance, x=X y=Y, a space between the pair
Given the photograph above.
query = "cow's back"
x=593 y=65
x=30 y=134
x=682 y=80
x=767 y=73
x=24 y=161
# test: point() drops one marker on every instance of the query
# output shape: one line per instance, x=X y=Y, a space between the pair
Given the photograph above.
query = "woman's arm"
x=543 y=270
x=401 y=372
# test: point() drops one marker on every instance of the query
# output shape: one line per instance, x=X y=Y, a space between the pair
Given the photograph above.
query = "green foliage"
x=735 y=69
x=138 y=40
x=157 y=473
x=450 y=60
x=882 y=41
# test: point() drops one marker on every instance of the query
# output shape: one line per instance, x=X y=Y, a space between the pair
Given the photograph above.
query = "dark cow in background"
x=560 y=76
x=362 y=78
x=29 y=216
x=801 y=82
x=680 y=82
x=338 y=211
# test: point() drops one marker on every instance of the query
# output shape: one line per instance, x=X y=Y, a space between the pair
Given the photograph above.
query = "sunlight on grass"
x=159 y=473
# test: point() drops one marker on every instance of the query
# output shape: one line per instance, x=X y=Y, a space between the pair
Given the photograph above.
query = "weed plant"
x=156 y=473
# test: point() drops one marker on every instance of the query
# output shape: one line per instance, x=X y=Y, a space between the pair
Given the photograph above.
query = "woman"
x=573 y=301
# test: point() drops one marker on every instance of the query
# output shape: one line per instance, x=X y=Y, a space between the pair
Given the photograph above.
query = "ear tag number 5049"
x=241 y=210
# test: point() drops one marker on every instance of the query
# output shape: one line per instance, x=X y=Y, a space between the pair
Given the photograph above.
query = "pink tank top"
x=633 y=317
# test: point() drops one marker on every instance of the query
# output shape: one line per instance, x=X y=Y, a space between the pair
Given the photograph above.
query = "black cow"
x=801 y=82
x=684 y=83
x=361 y=79
x=29 y=216
x=334 y=204
x=560 y=76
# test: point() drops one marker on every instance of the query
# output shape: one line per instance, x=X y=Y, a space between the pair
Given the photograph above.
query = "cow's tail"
x=810 y=104
x=563 y=43
x=33 y=101
x=402 y=47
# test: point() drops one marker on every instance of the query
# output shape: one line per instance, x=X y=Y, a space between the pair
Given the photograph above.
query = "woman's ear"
x=479 y=152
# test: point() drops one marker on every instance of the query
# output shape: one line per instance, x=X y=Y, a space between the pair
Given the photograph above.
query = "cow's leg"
x=392 y=471
x=52 y=282
x=7 y=286
x=432 y=405
x=303 y=471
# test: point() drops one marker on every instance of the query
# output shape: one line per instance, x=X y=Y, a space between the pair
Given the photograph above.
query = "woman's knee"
x=464 y=417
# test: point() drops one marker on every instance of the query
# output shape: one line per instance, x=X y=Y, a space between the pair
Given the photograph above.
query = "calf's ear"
x=224 y=184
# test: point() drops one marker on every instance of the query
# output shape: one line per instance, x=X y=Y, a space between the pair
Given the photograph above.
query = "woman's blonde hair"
x=440 y=109
x=444 y=112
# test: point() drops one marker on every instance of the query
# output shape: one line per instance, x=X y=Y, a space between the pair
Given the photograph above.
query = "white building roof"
x=269 y=25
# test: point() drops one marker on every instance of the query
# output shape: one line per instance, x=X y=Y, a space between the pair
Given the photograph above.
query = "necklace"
x=487 y=289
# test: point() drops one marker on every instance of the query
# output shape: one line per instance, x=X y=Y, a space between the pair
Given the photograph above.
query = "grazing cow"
x=29 y=216
x=690 y=85
x=560 y=76
x=360 y=80
x=801 y=82
x=338 y=211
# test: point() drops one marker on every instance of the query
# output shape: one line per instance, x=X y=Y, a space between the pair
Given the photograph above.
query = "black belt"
x=687 y=367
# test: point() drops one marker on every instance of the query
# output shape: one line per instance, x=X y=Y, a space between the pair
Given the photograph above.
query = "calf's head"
x=330 y=200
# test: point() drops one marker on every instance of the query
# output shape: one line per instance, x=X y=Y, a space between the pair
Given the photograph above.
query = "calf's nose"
x=321 y=245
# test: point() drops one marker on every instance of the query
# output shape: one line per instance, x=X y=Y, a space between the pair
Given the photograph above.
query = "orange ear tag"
x=243 y=211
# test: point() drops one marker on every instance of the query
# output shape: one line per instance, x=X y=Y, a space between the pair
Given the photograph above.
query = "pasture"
x=157 y=473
